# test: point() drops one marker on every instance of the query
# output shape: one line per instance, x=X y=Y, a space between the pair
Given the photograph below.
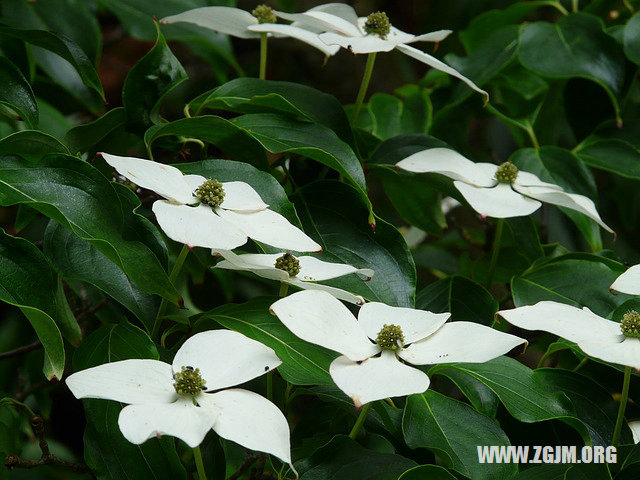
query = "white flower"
x=208 y=361
x=515 y=194
x=298 y=271
x=342 y=27
x=635 y=430
x=242 y=24
x=234 y=211
x=628 y=282
x=596 y=336
x=369 y=371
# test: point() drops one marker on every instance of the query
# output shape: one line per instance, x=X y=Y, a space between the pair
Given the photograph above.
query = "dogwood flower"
x=635 y=430
x=497 y=191
x=628 y=282
x=373 y=346
x=298 y=271
x=203 y=212
x=175 y=399
x=596 y=336
x=242 y=24
x=342 y=27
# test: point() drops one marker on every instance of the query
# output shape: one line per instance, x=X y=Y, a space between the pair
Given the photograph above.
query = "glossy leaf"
x=31 y=144
x=432 y=472
x=631 y=39
x=453 y=430
x=16 y=93
x=88 y=136
x=613 y=155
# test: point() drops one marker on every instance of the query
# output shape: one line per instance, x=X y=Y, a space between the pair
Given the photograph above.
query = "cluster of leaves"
x=83 y=268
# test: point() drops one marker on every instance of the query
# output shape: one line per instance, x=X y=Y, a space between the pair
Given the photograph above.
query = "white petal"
x=306 y=36
x=181 y=419
x=573 y=201
x=127 y=381
x=241 y=196
x=163 y=179
x=194 y=181
x=225 y=358
x=415 y=324
x=626 y=351
x=527 y=179
x=261 y=264
x=628 y=282
x=635 y=430
x=500 y=201
x=333 y=291
x=358 y=44
x=377 y=378
x=250 y=420
x=447 y=162
x=436 y=36
x=461 y=342
x=271 y=228
x=319 y=318
x=566 y=321
x=313 y=269
x=197 y=226
x=228 y=20
x=323 y=21
x=437 y=64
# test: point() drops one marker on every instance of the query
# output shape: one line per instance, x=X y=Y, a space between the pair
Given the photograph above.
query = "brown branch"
x=243 y=467
x=21 y=350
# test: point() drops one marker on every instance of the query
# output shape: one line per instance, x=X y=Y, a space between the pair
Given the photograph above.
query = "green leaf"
x=86 y=137
x=576 y=279
x=575 y=46
x=432 y=472
x=525 y=397
x=16 y=93
x=29 y=283
x=563 y=168
x=592 y=403
x=107 y=452
x=464 y=298
x=481 y=397
x=631 y=39
x=266 y=185
x=31 y=144
x=76 y=259
x=453 y=430
x=155 y=75
x=613 y=155
x=61 y=47
x=80 y=198
x=548 y=472
x=303 y=363
x=252 y=95
x=334 y=216
x=344 y=459
x=395 y=149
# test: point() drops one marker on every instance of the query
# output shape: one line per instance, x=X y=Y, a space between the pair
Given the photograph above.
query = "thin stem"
x=368 y=69
x=172 y=277
x=630 y=7
x=581 y=364
x=360 y=421
x=623 y=406
x=558 y=6
x=390 y=402
x=532 y=136
x=263 y=56
x=21 y=350
x=574 y=5
x=496 y=250
x=197 y=455
x=270 y=385
x=284 y=288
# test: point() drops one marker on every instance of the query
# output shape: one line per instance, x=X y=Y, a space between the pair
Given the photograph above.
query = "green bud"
x=289 y=264
x=378 y=24
x=507 y=173
x=189 y=382
x=211 y=193
x=264 y=14
x=390 y=337
x=630 y=324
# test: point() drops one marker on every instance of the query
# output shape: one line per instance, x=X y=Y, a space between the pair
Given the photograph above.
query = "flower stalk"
x=368 y=70
x=263 y=56
x=175 y=271
x=623 y=406
x=496 y=251
x=360 y=421
x=197 y=455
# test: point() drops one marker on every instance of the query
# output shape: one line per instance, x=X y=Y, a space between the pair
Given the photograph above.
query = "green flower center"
x=507 y=173
x=189 y=382
x=264 y=14
x=390 y=337
x=289 y=264
x=211 y=193
x=630 y=324
x=378 y=24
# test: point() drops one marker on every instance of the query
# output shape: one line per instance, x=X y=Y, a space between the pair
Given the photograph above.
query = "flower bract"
x=628 y=282
x=367 y=371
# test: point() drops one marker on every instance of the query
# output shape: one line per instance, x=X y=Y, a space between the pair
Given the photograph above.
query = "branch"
x=244 y=467
x=20 y=350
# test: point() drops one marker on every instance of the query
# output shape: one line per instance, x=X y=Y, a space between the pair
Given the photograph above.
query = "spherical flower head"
x=378 y=24
x=630 y=324
x=289 y=264
x=188 y=382
x=264 y=14
x=210 y=193
x=507 y=173
x=390 y=337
